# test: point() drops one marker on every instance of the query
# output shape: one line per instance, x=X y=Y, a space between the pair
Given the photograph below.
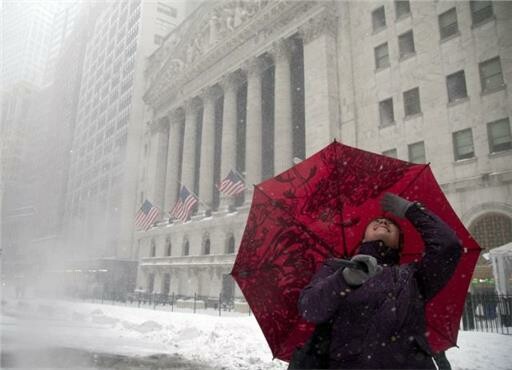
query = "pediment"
x=211 y=33
x=201 y=32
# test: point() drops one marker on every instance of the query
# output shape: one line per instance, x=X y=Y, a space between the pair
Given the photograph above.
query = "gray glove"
x=357 y=277
x=395 y=204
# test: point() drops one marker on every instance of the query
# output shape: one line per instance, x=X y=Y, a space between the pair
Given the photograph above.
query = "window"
x=166 y=284
x=151 y=283
x=412 y=104
x=390 y=153
x=491 y=76
x=186 y=248
x=206 y=247
x=456 y=85
x=406 y=44
x=378 y=19
x=168 y=246
x=387 y=116
x=448 y=23
x=481 y=11
x=231 y=245
x=381 y=56
x=492 y=230
x=463 y=144
x=417 y=152
x=402 y=8
x=499 y=136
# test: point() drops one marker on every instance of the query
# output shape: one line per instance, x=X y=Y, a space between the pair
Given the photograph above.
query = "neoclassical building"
x=255 y=86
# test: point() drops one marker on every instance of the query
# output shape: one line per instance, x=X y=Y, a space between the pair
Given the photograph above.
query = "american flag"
x=183 y=208
x=232 y=184
x=146 y=215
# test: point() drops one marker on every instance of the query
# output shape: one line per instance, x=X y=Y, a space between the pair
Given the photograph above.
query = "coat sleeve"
x=320 y=299
x=442 y=250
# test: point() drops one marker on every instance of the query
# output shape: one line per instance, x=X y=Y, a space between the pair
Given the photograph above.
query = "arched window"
x=206 y=246
x=166 y=284
x=168 y=246
x=153 y=248
x=230 y=249
x=492 y=230
x=186 y=248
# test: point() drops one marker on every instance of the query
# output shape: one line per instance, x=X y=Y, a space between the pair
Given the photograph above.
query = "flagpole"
x=239 y=174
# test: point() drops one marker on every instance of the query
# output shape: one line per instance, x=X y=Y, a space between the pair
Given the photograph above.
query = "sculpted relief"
x=225 y=18
x=188 y=42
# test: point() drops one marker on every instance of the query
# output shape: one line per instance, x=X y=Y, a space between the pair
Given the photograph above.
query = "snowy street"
x=40 y=336
x=106 y=336
x=70 y=334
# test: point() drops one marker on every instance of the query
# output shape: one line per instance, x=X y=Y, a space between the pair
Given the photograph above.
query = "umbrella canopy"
x=319 y=208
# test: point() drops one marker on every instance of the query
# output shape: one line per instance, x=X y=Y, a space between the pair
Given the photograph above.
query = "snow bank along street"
x=208 y=341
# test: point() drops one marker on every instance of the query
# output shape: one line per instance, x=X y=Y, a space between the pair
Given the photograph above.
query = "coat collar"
x=384 y=255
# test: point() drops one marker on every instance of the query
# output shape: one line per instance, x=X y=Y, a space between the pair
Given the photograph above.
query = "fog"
x=108 y=104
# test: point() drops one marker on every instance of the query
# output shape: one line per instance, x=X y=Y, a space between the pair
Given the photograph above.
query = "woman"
x=377 y=315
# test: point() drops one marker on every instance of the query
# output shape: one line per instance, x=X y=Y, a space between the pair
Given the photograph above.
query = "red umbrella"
x=320 y=208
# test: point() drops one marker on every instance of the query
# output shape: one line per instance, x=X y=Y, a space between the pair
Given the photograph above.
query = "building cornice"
x=188 y=261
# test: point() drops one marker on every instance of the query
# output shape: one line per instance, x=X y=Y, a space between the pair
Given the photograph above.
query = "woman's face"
x=385 y=230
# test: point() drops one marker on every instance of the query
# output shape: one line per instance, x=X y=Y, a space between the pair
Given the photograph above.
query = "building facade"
x=109 y=114
x=252 y=86
x=26 y=39
x=65 y=21
x=16 y=210
x=37 y=161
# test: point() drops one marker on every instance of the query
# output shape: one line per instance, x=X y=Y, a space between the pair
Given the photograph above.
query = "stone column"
x=229 y=130
x=189 y=145
x=253 y=142
x=160 y=132
x=206 y=170
x=321 y=93
x=283 y=132
x=150 y=176
x=173 y=156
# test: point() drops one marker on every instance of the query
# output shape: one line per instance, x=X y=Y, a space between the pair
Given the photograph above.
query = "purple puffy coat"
x=381 y=324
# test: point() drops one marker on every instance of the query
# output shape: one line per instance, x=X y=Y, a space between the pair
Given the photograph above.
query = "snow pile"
x=481 y=351
x=224 y=342
x=228 y=342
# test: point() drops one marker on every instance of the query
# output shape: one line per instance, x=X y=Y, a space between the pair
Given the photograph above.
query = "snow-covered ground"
x=234 y=342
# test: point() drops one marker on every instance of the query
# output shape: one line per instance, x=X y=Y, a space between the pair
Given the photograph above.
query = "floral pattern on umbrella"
x=317 y=209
